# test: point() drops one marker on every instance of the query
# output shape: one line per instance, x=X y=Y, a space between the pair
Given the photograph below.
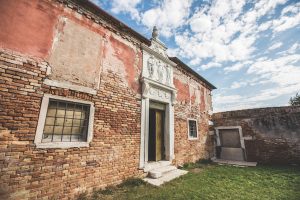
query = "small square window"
x=192 y=129
x=64 y=123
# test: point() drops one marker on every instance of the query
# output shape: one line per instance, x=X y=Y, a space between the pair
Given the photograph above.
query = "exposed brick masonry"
x=27 y=172
x=275 y=131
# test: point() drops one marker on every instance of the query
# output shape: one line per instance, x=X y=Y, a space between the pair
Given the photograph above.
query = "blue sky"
x=250 y=50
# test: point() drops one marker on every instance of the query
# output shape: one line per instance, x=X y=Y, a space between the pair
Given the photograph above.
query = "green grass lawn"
x=206 y=181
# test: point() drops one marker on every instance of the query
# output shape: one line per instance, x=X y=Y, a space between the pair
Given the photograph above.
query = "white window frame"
x=188 y=124
x=42 y=118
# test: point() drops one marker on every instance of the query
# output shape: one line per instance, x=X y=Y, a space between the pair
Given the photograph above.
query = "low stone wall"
x=275 y=132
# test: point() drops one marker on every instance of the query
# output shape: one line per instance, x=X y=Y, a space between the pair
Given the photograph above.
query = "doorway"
x=230 y=143
x=156 y=147
x=159 y=125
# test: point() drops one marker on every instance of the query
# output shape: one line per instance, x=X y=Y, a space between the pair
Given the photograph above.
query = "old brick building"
x=86 y=102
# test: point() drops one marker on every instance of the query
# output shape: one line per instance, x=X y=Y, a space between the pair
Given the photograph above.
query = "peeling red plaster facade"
x=29 y=32
x=131 y=60
x=191 y=106
x=27 y=26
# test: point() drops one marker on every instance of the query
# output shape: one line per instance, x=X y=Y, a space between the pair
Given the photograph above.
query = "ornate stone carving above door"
x=156 y=64
x=156 y=93
x=160 y=72
x=168 y=81
x=150 y=66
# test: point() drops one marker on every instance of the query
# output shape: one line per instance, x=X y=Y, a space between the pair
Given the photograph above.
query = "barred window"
x=66 y=121
x=192 y=126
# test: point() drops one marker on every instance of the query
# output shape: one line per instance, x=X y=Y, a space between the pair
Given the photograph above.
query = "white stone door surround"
x=163 y=96
x=157 y=85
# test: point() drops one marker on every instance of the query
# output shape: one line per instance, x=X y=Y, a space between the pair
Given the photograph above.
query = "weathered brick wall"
x=275 y=132
x=30 y=173
x=27 y=172
x=193 y=101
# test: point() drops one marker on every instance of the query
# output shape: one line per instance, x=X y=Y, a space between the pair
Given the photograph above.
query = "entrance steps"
x=162 y=172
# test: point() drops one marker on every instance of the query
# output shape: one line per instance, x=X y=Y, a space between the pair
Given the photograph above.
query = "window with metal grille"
x=66 y=121
x=192 y=128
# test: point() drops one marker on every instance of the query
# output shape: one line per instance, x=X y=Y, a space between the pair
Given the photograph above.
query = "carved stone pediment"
x=156 y=63
x=158 y=47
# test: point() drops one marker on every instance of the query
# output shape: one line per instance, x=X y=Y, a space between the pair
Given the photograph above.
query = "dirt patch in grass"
x=196 y=170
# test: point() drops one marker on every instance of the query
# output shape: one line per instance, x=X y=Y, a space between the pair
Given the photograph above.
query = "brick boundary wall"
x=275 y=132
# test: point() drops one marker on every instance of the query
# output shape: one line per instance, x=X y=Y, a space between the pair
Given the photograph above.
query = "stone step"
x=168 y=176
x=157 y=173
x=235 y=163
x=154 y=165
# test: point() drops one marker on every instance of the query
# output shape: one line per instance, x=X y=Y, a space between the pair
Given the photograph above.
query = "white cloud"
x=264 y=26
x=235 y=102
x=237 y=66
x=224 y=31
x=168 y=16
x=172 y=52
x=283 y=70
x=236 y=85
x=293 y=48
x=235 y=42
x=126 y=6
x=211 y=65
x=286 y=22
x=291 y=9
x=201 y=24
x=275 y=46
x=282 y=73
x=220 y=99
x=289 y=18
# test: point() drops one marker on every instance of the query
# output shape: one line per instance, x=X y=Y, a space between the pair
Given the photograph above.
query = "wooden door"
x=156 y=150
x=159 y=135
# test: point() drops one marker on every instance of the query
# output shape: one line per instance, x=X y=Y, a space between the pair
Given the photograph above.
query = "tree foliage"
x=295 y=101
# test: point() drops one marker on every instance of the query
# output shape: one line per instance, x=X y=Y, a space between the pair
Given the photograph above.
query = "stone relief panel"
x=156 y=64
x=168 y=75
x=160 y=72
x=150 y=66
x=157 y=70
